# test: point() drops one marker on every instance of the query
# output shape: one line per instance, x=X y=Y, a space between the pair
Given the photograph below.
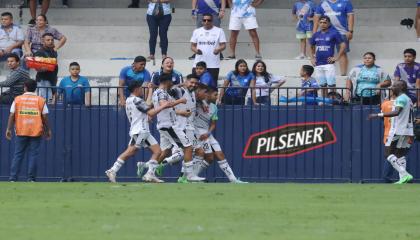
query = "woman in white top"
x=263 y=84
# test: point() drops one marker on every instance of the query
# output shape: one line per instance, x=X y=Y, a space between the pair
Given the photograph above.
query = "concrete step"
x=182 y=17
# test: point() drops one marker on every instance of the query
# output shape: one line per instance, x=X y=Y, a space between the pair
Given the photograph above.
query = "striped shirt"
x=15 y=81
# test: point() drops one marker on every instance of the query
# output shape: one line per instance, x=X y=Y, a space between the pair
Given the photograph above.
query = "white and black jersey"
x=181 y=121
x=136 y=109
x=166 y=117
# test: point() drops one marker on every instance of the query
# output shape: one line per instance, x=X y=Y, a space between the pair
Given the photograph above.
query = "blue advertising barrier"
x=87 y=140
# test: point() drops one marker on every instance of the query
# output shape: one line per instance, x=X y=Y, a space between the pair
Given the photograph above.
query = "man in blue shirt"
x=75 y=87
x=322 y=46
x=342 y=19
x=136 y=72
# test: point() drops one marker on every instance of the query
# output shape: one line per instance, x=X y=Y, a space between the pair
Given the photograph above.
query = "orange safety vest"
x=28 y=115
x=386 y=107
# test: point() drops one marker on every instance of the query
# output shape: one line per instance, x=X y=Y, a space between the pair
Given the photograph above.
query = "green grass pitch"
x=102 y=211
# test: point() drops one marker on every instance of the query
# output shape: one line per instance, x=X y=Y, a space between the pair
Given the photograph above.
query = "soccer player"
x=138 y=113
x=322 y=47
x=401 y=133
x=205 y=124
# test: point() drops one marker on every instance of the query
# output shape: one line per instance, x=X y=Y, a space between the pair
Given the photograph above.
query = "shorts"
x=235 y=23
x=191 y=136
x=304 y=35
x=398 y=142
x=143 y=139
x=173 y=137
x=346 y=41
x=210 y=145
x=325 y=75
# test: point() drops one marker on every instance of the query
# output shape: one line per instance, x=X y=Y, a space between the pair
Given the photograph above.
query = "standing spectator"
x=11 y=37
x=134 y=4
x=136 y=72
x=14 y=80
x=342 y=18
x=167 y=68
x=303 y=13
x=309 y=85
x=33 y=40
x=75 y=87
x=214 y=7
x=366 y=76
x=46 y=79
x=45 y=4
x=263 y=84
x=322 y=47
x=29 y=114
x=418 y=21
x=158 y=18
x=205 y=77
x=207 y=43
x=243 y=13
x=236 y=84
x=409 y=71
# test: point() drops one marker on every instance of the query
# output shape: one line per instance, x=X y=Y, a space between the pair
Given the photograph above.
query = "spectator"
x=75 y=87
x=14 y=80
x=342 y=16
x=365 y=76
x=409 y=71
x=236 y=84
x=207 y=43
x=46 y=79
x=29 y=114
x=33 y=40
x=167 y=68
x=309 y=85
x=11 y=37
x=418 y=21
x=303 y=13
x=243 y=13
x=136 y=72
x=214 y=7
x=158 y=18
x=45 y=4
x=205 y=77
x=322 y=46
x=263 y=84
x=134 y=4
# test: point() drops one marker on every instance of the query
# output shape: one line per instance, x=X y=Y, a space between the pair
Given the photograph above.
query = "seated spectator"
x=309 y=85
x=409 y=71
x=33 y=40
x=75 y=87
x=45 y=4
x=167 y=68
x=364 y=77
x=236 y=84
x=11 y=37
x=205 y=77
x=14 y=80
x=136 y=72
x=46 y=79
x=263 y=84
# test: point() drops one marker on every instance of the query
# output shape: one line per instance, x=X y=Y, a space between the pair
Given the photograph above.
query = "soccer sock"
x=196 y=163
x=394 y=162
x=188 y=168
x=117 y=165
x=201 y=166
x=403 y=163
x=152 y=166
x=176 y=157
x=224 y=165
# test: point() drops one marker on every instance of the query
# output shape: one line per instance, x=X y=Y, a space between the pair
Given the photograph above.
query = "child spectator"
x=76 y=87
x=303 y=13
x=205 y=77
x=308 y=85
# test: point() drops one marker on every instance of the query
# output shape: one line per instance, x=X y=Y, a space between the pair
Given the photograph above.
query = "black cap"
x=140 y=59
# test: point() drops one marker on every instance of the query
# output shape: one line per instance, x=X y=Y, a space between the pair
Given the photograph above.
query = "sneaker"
x=140 y=168
x=31 y=22
x=148 y=177
x=111 y=175
x=133 y=6
x=159 y=169
x=258 y=57
x=238 y=181
x=195 y=179
x=191 y=57
x=300 y=57
x=233 y=57
x=405 y=179
x=182 y=179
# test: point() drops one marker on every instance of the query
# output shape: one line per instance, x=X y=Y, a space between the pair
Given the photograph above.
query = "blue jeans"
x=158 y=25
x=30 y=146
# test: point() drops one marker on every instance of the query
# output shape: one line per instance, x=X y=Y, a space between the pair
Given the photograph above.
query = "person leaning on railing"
x=364 y=77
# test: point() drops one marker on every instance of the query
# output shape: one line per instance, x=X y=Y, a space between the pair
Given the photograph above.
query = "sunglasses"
x=207 y=20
